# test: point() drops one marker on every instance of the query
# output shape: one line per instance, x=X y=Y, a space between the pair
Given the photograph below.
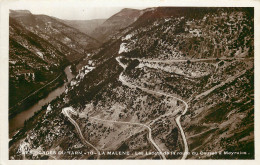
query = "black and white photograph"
x=129 y=82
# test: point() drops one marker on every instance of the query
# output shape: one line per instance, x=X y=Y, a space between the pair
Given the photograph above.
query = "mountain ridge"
x=116 y=22
x=187 y=75
x=36 y=21
x=85 y=26
x=47 y=46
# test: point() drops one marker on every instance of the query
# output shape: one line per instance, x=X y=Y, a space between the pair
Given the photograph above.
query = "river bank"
x=37 y=95
x=56 y=89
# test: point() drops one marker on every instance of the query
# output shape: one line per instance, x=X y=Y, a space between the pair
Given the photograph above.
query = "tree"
x=133 y=64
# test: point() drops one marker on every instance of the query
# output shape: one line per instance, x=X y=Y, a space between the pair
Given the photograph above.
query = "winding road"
x=177 y=119
x=66 y=111
x=191 y=60
x=139 y=124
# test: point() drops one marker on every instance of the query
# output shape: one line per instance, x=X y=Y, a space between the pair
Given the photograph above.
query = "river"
x=18 y=121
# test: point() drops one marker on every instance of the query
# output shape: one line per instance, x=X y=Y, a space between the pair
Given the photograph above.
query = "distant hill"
x=116 y=22
x=84 y=26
